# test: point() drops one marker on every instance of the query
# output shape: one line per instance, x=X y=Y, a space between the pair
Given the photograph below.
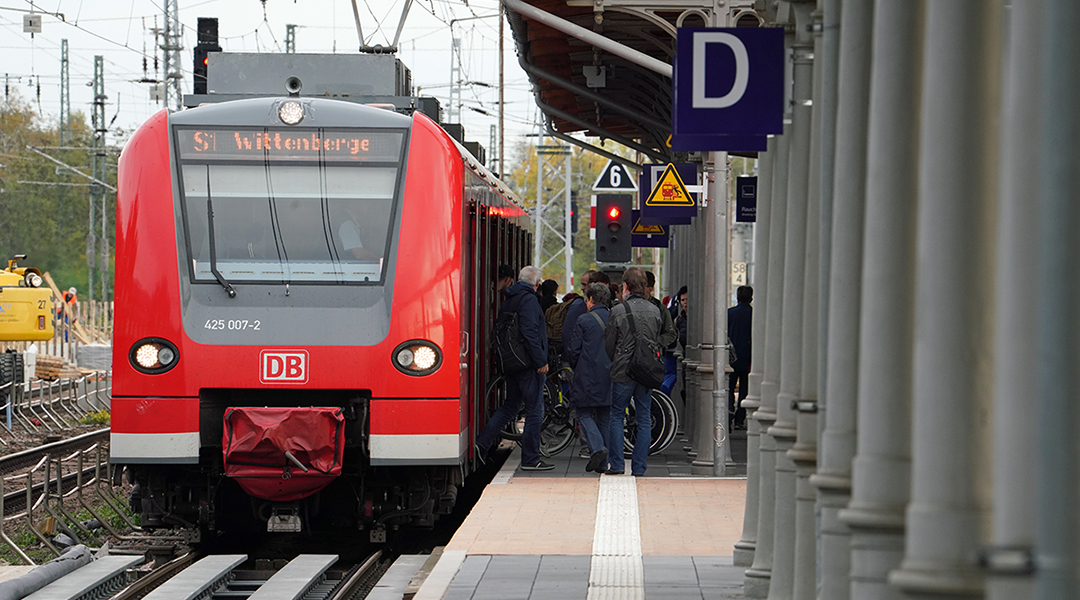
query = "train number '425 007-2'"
x=233 y=324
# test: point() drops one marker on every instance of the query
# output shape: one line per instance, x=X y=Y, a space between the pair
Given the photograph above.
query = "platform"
x=567 y=534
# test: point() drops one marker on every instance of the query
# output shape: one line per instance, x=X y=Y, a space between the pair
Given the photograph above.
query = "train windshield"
x=289 y=206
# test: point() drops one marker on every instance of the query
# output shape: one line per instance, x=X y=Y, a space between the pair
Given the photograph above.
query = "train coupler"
x=284 y=519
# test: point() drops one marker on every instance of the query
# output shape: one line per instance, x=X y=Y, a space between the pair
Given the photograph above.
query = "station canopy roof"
x=628 y=103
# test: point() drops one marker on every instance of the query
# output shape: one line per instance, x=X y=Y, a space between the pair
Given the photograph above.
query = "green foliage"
x=48 y=223
x=100 y=417
x=585 y=167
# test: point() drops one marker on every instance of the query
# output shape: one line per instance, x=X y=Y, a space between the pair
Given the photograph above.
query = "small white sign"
x=31 y=23
x=738 y=273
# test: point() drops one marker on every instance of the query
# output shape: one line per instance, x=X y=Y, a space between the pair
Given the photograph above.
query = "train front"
x=288 y=318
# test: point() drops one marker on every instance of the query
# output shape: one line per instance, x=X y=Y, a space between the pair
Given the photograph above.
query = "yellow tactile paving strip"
x=690 y=517
x=531 y=515
x=540 y=515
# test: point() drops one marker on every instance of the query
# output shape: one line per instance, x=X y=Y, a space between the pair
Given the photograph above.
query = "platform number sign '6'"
x=614 y=177
x=283 y=366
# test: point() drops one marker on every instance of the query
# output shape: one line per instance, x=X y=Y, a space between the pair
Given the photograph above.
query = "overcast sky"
x=120 y=30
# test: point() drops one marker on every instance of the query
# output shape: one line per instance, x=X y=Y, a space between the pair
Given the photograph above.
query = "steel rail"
x=28 y=458
x=359 y=576
x=158 y=576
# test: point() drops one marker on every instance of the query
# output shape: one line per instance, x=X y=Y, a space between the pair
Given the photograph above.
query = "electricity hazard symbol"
x=670 y=190
x=640 y=229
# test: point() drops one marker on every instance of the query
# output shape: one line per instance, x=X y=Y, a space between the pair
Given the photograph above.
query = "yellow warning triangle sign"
x=640 y=229
x=669 y=190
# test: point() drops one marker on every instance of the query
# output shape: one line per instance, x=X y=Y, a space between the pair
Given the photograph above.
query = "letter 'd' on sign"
x=728 y=88
x=283 y=366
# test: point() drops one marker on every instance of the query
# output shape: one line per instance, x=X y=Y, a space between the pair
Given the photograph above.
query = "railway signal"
x=208 y=42
x=613 y=212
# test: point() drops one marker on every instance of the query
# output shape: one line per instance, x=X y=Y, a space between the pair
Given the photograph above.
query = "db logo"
x=283 y=366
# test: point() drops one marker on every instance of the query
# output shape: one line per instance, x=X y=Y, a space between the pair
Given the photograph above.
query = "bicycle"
x=665 y=423
x=559 y=426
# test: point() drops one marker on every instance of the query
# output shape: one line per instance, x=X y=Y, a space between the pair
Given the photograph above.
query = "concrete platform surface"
x=560 y=537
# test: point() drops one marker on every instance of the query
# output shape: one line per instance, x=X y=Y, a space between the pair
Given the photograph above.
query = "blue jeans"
x=670 y=367
x=596 y=436
x=527 y=386
x=621 y=392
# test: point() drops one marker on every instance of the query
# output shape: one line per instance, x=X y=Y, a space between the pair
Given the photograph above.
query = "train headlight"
x=153 y=356
x=291 y=113
x=33 y=280
x=417 y=357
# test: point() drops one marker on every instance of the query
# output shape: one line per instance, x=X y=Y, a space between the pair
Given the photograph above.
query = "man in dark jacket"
x=739 y=321
x=619 y=344
x=528 y=385
x=590 y=392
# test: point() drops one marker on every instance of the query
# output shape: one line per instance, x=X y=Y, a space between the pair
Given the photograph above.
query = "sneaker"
x=539 y=466
x=584 y=453
x=482 y=456
x=613 y=472
x=597 y=460
x=638 y=474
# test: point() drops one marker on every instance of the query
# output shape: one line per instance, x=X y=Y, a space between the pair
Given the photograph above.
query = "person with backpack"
x=521 y=350
x=669 y=352
x=634 y=340
x=590 y=392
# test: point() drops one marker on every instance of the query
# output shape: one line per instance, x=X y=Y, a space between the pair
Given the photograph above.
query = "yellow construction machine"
x=26 y=308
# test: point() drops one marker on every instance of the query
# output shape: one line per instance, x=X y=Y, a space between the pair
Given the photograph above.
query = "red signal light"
x=613 y=212
x=206 y=61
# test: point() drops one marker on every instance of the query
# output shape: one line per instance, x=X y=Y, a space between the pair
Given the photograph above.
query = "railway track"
x=29 y=458
x=219 y=577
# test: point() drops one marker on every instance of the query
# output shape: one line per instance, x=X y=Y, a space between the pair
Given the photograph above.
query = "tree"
x=45 y=216
x=585 y=168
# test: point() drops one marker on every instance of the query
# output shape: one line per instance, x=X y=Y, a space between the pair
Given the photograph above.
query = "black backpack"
x=511 y=355
x=647 y=358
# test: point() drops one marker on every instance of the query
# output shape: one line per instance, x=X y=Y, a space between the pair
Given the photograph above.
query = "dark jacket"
x=680 y=326
x=592 y=367
x=664 y=314
x=617 y=340
x=523 y=300
x=739 y=320
x=577 y=308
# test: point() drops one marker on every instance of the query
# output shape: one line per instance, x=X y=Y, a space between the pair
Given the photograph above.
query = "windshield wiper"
x=213 y=255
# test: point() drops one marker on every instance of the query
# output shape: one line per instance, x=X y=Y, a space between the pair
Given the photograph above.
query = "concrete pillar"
x=791 y=362
x=694 y=306
x=710 y=304
x=1058 y=379
x=756 y=583
x=881 y=474
x=953 y=385
x=1014 y=421
x=837 y=445
x=804 y=453
x=721 y=292
x=744 y=548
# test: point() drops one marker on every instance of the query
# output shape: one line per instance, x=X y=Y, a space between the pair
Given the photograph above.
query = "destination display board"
x=292 y=144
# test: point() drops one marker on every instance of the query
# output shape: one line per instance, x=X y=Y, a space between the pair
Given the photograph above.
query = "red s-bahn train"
x=305 y=290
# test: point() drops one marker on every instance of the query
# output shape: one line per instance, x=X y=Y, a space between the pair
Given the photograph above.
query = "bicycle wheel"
x=665 y=422
x=559 y=425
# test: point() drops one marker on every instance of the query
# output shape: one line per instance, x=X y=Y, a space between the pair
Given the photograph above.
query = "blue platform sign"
x=728 y=88
x=745 y=199
x=664 y=198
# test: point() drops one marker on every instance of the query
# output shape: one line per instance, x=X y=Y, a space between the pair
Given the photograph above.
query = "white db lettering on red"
x=283 y=366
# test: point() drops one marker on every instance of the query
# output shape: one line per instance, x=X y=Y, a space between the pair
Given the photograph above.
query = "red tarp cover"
x=256 y=440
